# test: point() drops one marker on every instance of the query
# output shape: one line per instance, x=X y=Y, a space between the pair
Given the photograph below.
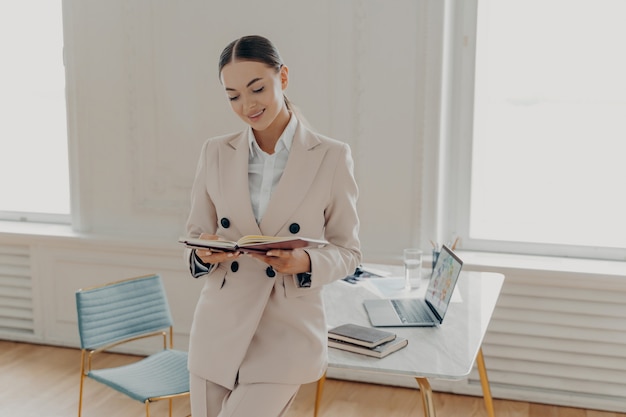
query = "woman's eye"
x=258 y=90
x=233 y=98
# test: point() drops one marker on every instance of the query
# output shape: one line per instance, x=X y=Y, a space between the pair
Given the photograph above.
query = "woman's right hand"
x=213 y=257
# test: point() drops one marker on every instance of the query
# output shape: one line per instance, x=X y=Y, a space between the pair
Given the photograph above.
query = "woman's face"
x=255 y=92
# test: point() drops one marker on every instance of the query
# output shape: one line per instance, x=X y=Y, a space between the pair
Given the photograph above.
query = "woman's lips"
x=256 y=115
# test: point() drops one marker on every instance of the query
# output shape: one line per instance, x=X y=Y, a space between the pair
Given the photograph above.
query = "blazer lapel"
x=233 y=171
x=304 y=160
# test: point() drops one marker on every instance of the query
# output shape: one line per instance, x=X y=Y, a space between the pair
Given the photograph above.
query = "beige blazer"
x=250 y=325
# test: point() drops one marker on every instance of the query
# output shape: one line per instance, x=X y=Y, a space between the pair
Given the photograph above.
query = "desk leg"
x=484 y=382
x=318 y=394
x=427 y=397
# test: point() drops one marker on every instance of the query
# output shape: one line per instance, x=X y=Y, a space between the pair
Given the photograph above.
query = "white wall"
x=144 y=94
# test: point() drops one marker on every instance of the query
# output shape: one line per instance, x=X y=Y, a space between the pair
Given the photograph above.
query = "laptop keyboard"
x=410 y=311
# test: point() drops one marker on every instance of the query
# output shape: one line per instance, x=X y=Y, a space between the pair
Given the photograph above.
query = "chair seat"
x=161 y=374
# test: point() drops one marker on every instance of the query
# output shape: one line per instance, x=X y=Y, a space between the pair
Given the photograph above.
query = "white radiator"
x=16 y=295
x=560 y=345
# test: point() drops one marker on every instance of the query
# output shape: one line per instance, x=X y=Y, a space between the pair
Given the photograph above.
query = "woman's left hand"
x=285 y=261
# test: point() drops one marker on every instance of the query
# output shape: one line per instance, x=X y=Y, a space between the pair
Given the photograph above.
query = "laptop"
x=420 y=312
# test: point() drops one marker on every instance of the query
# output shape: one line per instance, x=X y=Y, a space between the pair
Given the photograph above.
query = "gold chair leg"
x=318 y=394
x=171 y=400
x=82 y=382
x=484 y=382
x=427 y=397
x=147 y=402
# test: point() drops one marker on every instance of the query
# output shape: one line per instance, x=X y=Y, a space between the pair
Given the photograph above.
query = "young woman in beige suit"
x=259 y=329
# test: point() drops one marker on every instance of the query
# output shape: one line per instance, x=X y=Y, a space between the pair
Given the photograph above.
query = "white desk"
x=445 y=352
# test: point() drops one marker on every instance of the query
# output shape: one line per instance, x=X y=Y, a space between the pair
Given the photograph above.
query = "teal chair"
x=124 y=311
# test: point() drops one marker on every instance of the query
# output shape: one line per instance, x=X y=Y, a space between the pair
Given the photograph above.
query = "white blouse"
x=265 y=170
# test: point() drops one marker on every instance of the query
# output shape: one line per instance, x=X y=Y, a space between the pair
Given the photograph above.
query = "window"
x=543 y=125
x=34 y=173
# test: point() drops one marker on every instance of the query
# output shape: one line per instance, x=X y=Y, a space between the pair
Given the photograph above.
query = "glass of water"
x=412 y=268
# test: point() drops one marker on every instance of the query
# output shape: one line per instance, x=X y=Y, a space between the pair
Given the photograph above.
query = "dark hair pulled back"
x=251 y=48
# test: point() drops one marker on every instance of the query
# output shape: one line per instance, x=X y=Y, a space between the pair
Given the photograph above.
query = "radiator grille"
x=568 y=342
x=16 y=295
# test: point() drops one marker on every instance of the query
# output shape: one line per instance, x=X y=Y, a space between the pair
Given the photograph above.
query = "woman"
x=259 y=328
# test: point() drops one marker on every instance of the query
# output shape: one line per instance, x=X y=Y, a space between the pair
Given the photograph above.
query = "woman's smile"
x=254 y=117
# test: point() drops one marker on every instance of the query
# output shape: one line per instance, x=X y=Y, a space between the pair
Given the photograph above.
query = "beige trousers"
x=245 y=400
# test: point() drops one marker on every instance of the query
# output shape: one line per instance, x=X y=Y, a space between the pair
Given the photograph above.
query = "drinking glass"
x=412 y=268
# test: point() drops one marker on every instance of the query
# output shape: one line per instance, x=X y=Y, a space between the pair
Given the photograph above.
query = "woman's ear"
x=284 y=76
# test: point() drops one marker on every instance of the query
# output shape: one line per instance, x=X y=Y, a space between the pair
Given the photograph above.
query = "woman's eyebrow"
x=247 y=85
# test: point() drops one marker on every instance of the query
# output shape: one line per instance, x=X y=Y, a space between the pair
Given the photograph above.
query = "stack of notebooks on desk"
x=365 y=340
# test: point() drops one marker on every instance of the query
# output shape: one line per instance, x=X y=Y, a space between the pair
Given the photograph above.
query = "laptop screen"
x=443 y=281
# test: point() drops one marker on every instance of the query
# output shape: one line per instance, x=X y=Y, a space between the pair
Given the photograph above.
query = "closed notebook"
x=360 y=335
x=379 y=351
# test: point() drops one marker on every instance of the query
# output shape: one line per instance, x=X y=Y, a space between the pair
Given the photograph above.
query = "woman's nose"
x=249 y=103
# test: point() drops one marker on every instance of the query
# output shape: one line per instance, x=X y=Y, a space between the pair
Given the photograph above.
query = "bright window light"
x=34 y=174
x=549 y=143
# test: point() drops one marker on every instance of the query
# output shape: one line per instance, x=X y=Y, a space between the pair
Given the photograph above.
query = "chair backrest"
x=121 y=310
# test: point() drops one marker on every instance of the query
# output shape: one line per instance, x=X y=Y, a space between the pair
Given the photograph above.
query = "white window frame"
x=31 y=217
x=454 y=135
